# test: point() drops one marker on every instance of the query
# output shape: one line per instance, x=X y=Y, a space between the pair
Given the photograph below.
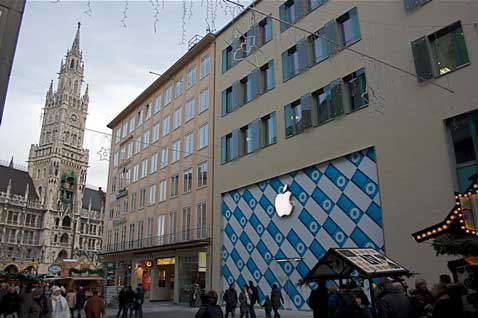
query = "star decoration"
x=104 y=154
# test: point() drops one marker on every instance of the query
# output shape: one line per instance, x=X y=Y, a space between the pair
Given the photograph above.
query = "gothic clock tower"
x=58 y=163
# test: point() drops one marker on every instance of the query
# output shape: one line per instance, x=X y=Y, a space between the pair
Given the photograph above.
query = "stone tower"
x=58 y=163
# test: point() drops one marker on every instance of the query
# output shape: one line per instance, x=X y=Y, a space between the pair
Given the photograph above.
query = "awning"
x=340 y=263
x=87 y=278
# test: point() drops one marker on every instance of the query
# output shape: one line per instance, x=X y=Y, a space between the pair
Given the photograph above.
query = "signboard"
x=166 y=261
x=111 y=295
x=469 y=208
x=370 y=261
x=54 y=268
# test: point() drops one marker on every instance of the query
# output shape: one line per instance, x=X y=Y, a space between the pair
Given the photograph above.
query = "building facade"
x=370 y=152
x=59 y=217
x=159 y=184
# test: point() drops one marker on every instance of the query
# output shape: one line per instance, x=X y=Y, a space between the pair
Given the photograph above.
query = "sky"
x=118 y=58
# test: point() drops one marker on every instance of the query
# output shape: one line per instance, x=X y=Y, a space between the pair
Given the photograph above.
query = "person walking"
x=9 y=303
x=267 y=307
x=28 y=308
x=230 y=298
x=244 y=302
x=276 y=299
x=123 y=303
x=80 y=300
x=130 y=305
x=71 y=300
x=254 y=293
x=444 y=306
x=139 y=301
x=209 y=307
x=95 y=306
x=319 y=300
x=393 y=302
x=362 y=304
x=422 y=298
x=57 y=305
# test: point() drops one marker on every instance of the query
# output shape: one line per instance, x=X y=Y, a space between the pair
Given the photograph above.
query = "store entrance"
x=165 y=282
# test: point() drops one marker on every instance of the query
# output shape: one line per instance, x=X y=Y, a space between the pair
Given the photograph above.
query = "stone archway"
x=12 y=269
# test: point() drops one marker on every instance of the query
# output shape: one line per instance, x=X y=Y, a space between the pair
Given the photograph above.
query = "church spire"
x=75 y=48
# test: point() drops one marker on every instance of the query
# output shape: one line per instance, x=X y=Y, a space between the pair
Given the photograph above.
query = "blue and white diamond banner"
x=335 y=204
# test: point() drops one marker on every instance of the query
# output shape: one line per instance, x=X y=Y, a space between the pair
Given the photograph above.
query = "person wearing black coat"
x=123 y=302
x=230 y=298
x=319 y=300
x=254 y=298
x=209 y=307
x=393 y=303
x=10 y=302
x=131 y=301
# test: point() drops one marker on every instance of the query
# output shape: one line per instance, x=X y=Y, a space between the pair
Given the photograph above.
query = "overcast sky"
x=117 y=62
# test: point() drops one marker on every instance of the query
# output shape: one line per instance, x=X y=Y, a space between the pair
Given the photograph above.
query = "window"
x=267 y=77
x=205 y=65
x=149 y=232
x=329 y=102
x=125 y=129
x=297 y=117
x=142 y=197
x=146 y=139
x=139 y=242
x=148 y=112
x=186 y=223
x=164 y=157
x=140 y=117
x=155 y=132
x=168 y=94
x=265 y=31
x=249 y=86
x=357 y=89
x=154 y=162
x=295 y=60
x=137 y=146
x=152 y=194
x=160 y=233
x=228 y=60
x=115 y=159
x=12 y=217
x=135 y=172
x=203 y=135
x=201 y=220
x=188 y=180
x=157 y=104
x=204 y=100
x=230 y=98
x=191 y=77
x=162 y=190
x=349 y=27
x=464 y=137
x=172 y=226
x=131 y=235
x=291 y=12
x=249 y=138
x=176 y=150
x=440 y=52
x=316 y=3
x=177 y=117
x=133 y=201
x=174 y=185
x=166 y=125
x=268 y=128
x=229 y=146
x=190 y=108
x=130 y=149
x=144 y=168
x=131 y=124
x=178 y=87
x=188 y=144
x=123 y=237
x=202 y=174
x=321 y=48
x=118 y=135
x=122 y=154
x=411 y=5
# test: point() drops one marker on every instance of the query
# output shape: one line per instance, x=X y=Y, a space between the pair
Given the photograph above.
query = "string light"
x=125 y=16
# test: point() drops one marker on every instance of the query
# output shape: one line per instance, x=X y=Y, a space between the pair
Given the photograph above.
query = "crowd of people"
x=35 y=301
x=131 y=302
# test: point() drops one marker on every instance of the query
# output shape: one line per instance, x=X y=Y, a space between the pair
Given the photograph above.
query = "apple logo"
x=282 y=203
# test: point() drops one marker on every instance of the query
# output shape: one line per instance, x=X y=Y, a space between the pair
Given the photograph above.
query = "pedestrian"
x=254 y=292
x=334 y=300
x=71 y=300
x=244 y=302
x=139 y=301
x=80 y=300
x=444 y=307
x=319 y=300
x=209 y=307
x=422 y=298
x=276 y=299
x=393 y=303
x=95 y=306
x=43 y=301
x=267 y=307
x=28 y=308
x=131 y=297
x=36 y=305
x=455 y=291
x=362 y=303
x=347 y=307
x=63 y=291
x=230 y=298
x=57 y=305
x=123 y=303
x=9 y=303
x=47 y=291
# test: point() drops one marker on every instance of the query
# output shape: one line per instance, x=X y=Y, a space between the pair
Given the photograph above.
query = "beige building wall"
x=197 y=195
x=415 y=166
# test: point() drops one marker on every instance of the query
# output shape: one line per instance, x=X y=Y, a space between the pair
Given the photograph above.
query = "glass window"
x=202 y=174
x=227 y=101
x=168 y=94
x=140 y=117
x=329 y=101
x=320 y=46
x=144 y=168
x=172 y=226
x=204 y=100
x=290 y=63
x=247 y=139
x=190 y=109
x=186 y=224
x=137 y=146
x=133 y=201
x=154 y=162
x=148 y=111
x=203 y=136
x=162 y=190
x=177 y=117
x=115 y=159
x=449 y=48
x=174 y=185
x=125 y=129
x=205 y=65
x=265 y=30
x=155 y=132
x=166 y=121
x=176 y=150
x=357 y=88
x=142 y=197
x=135 y=172
x=267 y=72
x=118 y=135
x=130 y=149
x=157 y=104
x=146 y=139
x=188 y=144
x=315 y=3
x=191 y=77
x=152 y=194
x=179 y=87
x=269 y=129
x=227 y=58
x=349 y=27
x=164 y=157
x=131 y=124
x=293 y=119
x=188 y=180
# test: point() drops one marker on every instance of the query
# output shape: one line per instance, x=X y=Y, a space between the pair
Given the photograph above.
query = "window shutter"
x=235 y=144
x=283 y=16
x=235 y=95
x=223 y=149
x=273 y=129
x=288 y=121
x=285 y=66
x=268 y=28
x=272 y=77
x=300 y=9
x=306 y=103
x=224 y=60
x=336 y=98
x=254 y=78
x=254 y=127
x=421 y=57
x=355 y=23
x=411 y=4
x=224 y=102
x=303 y=49
x=331 y=38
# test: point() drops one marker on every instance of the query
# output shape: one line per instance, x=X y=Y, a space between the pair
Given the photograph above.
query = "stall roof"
x=340 y=263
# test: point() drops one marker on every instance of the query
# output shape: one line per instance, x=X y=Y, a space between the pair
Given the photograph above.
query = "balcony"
x=194 y=235
x=121 y=193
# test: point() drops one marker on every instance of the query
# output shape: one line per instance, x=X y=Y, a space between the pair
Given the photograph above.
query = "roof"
x=164 y=78
x=19 y=178
x=234 y=20
x=96 y=199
